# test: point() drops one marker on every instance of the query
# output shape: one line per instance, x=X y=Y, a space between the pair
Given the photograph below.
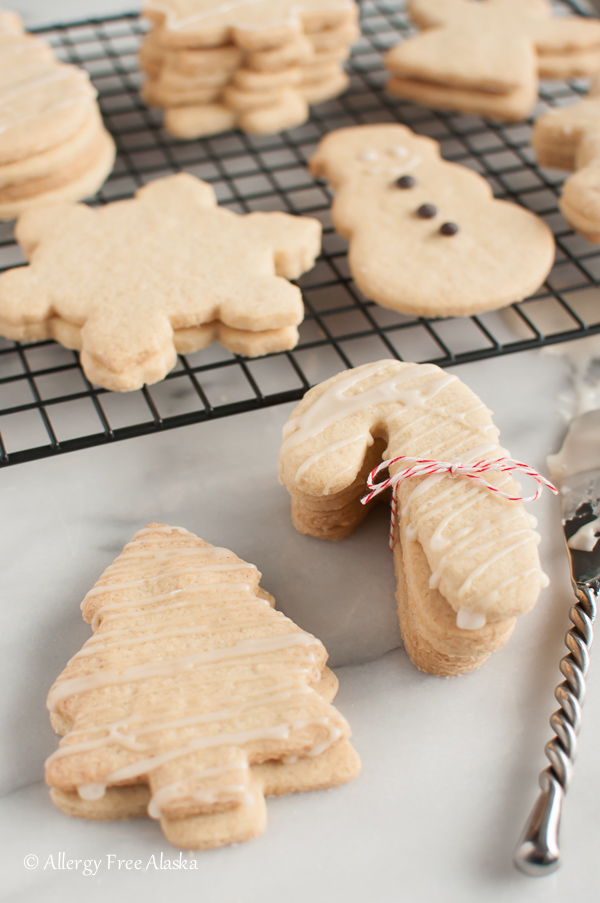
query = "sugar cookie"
x=569 y=138
x=485 y=57
x=121 y=282
x=266 y=62
x=52 y=142
x=466 y=559
x=426 y=236
x=194 y=699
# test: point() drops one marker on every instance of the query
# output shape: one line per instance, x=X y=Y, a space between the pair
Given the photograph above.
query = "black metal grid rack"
x=47 y=406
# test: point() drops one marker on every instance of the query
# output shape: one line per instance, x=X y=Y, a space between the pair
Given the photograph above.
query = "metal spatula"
x=576 y=469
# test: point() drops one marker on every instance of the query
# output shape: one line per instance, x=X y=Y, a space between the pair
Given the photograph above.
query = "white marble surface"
x=449 y=766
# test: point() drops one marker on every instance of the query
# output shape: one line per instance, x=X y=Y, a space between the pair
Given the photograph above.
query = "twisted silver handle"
x=538 y=851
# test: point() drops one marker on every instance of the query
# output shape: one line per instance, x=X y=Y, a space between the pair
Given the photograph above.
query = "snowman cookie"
x=426 y=236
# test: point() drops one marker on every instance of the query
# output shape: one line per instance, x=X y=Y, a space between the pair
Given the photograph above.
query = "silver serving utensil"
x=576 y=469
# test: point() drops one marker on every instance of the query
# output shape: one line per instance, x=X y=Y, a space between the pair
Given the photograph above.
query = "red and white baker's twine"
x=421 y=467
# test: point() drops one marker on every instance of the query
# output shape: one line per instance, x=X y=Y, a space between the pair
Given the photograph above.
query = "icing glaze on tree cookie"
x=194 y=686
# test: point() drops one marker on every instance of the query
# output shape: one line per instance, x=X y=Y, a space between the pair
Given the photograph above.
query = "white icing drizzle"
x=471 y=536
x=238 y=794
x=238 y=738
x=179 y=572
x=234 y=793
x=335 y=446
x=395 y=170
x=461 y=545
x=290 y=16
x=334 y=735
x=91 y=791
x=501 y=553
x=585 y=538
x=105 y=678
x=21 y=91
x=98 y=642
x=113 y=732
x=467 y=619
x=270 y=705
x=368 y=156
x=115 y=609
x=337 y=404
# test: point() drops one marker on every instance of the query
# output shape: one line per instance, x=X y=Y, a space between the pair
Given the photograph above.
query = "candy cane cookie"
x=465 y=556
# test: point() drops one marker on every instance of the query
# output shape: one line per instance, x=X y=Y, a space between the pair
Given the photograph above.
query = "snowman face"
x=397 y=163
x=395 y=160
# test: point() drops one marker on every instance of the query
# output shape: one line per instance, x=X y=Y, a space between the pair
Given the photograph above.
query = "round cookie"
x=52 y=141
x=44 y=105
x=57 y=157
x=73 y=184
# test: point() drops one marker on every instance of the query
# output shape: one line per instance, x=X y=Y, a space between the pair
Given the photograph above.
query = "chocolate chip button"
x=448 y=228
x=427 y=211
x=406 y=182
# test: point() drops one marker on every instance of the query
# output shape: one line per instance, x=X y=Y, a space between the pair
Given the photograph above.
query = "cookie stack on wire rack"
x=485 y=58
x=256 y=66
x=53 y=145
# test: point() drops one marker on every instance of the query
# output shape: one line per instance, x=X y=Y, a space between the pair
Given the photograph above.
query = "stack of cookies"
x=135 y=282
x=192 y=725
x=486 y=58
x=53 y=145
x=465 y=557
x=213 y=66
x=569 y=138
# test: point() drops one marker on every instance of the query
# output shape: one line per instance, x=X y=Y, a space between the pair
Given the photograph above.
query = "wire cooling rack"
x=47 y=406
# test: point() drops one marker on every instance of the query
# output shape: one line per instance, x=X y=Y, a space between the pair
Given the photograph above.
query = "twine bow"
x=420 y=467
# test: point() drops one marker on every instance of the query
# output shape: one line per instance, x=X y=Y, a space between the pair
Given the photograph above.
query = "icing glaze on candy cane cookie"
x=466 y=559
x=193 y=699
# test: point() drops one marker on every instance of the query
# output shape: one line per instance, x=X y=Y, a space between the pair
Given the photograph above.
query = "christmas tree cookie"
x=194 y=698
